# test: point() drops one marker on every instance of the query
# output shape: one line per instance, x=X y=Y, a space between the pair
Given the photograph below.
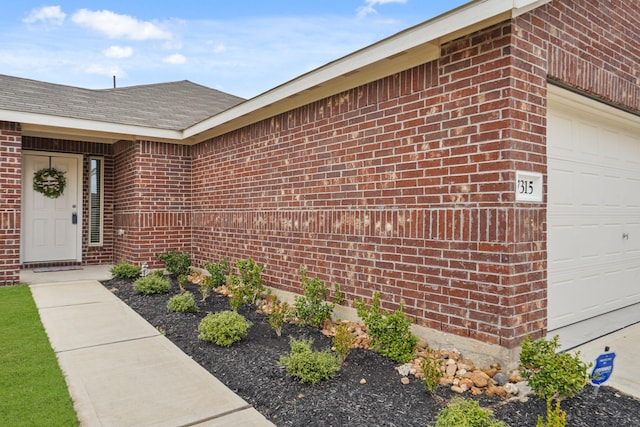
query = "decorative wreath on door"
x=50 y=182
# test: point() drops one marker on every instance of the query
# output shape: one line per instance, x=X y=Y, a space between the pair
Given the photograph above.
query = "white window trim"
x=101 y=242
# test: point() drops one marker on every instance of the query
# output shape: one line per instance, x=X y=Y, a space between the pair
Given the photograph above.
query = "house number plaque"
x=528 y=186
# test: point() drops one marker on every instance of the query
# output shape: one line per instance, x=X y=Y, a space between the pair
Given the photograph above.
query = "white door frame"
x=79 y=172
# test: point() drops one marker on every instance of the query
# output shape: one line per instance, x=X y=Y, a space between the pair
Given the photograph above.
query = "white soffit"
x=417 y=45
x=46 y=126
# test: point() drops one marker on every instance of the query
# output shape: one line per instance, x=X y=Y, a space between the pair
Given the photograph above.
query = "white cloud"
x=118 y=52
x=50 y=14
x=369 y=7
x=105 y=70
x=114 y=25
x=176 y=58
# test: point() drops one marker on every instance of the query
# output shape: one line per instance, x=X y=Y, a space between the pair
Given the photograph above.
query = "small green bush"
x=278 y=315
x=339 y=295
x=308 y=366
x=182 y=281
x=390 y=333
x=218 y=272
x=342 y=342
x=223 y=328
x=205 y=286
x=466 y=413
x=124 y=270
x=312 y=308
x=176 y=263
x=237 y=289
x=182 y=303
x=551 y=374
x=251 y=275
x=153 y=284
x=556 y=417
x=431 y=373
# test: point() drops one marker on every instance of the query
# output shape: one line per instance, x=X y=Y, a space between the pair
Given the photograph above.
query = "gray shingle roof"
x=172 y=106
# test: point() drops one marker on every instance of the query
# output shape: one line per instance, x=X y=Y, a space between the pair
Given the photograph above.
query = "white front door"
x=51 y=228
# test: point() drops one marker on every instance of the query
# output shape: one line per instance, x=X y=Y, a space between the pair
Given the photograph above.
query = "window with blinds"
x=96 y=196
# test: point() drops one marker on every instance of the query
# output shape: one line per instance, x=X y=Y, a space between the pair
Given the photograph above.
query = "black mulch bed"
x=250 y=368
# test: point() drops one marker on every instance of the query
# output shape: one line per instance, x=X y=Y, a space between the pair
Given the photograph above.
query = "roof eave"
x=412 y=47
x=47 y=126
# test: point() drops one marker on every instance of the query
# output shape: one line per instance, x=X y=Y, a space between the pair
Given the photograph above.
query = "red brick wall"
x=10 y=199
x=91 y=254
x=402 y=186
x=405 y=185
x=152 y=200
x=593 y=46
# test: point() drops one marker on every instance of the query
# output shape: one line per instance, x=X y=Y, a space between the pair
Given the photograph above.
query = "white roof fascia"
x=521 y=7
x=432 y=31
x=83 y=126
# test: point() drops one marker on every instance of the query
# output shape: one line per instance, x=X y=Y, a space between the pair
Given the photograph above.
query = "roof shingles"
x=171 y=106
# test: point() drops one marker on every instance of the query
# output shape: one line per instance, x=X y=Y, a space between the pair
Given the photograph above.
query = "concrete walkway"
x=625 y=343
x=120 y=370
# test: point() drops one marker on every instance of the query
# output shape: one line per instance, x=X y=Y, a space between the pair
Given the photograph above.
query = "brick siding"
x=593 y=46
x=405 y=185
x=152 y=200
x=10 y=199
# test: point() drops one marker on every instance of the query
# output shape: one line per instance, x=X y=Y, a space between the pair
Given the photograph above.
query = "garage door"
x=593 y=215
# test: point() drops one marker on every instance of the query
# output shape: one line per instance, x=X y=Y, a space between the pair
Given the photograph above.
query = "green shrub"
x=223 y=328
x=431 y=373
x=279 y=313
x=308 y=366
x=237 y=296
x=312 y=308
x=217 y=272
x=182 y=303
x=466 y=413
x=556 y=417
x=390 y=333
x=176 y=263
x=339 y=295
x=151 y=285
x=251 y=275
x=205 y=287
x=124 y=270
x=551 y=374
x=342 y=342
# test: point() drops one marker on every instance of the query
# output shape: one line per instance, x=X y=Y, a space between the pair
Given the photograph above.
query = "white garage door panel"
x=593 y=210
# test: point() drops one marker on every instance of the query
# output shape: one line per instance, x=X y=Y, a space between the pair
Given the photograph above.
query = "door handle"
x=74 y=218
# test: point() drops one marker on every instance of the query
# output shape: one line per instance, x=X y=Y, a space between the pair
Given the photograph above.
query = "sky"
x=242 y=47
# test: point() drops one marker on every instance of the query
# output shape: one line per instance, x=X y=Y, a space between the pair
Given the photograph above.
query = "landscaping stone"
x=405 y=369
x=500 y=378
x=479 y=378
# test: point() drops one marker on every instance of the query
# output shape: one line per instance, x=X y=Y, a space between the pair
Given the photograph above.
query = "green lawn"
x=32 y=389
